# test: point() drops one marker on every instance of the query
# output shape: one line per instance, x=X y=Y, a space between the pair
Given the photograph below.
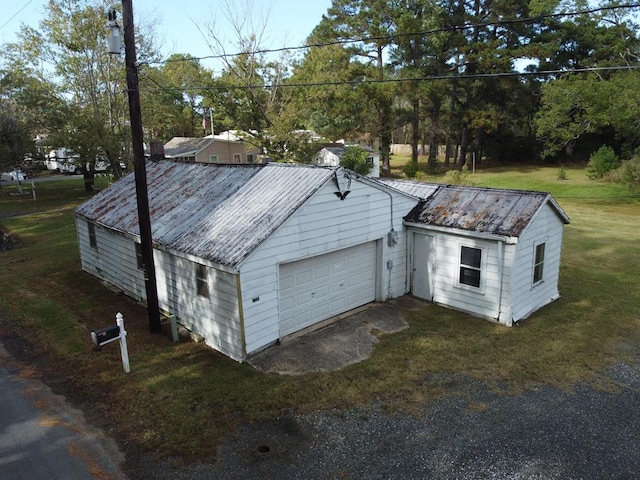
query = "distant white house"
x=331 y=155
x=248 y=254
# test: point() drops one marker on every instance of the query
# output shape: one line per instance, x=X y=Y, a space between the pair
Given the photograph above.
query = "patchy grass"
x=181 y=400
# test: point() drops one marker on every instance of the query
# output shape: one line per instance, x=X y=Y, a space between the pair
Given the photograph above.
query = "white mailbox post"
x=110 y=334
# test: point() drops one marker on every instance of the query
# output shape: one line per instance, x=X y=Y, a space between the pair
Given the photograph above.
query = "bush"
x=631 y=173
x=411 y=170
x=458 y=177
x=601 y=162
x=562 y=174
x=355 y=158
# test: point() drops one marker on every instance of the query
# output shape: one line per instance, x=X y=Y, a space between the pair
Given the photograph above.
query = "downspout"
x=501 y=269
x=241 y=317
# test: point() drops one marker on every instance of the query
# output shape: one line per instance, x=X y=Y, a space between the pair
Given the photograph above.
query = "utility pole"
x=139 y=169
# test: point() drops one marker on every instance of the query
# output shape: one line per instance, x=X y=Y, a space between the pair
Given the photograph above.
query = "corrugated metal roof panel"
x=417 y=189
x=487 y=210
x=217 y=212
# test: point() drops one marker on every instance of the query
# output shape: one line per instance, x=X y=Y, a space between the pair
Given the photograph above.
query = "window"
x=370 y=162
x=237 y=158
x=249 y=157
x=470 y=261
x=139 y=259
x=92 y=235
x=202 y=281
x=213 y=158
x=538 y=264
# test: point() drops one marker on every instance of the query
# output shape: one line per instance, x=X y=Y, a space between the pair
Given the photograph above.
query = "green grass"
x=183 y=399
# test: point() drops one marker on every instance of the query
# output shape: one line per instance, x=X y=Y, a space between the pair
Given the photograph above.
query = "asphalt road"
x=44 y=438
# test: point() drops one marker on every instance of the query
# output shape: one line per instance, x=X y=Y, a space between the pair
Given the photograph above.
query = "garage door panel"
x=325 y=286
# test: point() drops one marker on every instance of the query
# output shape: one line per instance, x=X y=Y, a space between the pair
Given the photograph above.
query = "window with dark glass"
x=538 y=265
x=470 y=260
x=92 y=235
x=202 y=281
x=139 y=259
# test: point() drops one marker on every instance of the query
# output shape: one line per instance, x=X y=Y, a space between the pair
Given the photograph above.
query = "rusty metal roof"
x=487 y=210
x=216 y=212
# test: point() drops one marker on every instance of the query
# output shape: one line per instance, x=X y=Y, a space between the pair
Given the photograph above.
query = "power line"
x=15 y=14
x=401 y=80
x=451 y=28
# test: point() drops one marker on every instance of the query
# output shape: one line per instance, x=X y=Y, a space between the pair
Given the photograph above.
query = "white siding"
x=484 y=301
x=216 y=318
x=545 y=227
x=325 y=223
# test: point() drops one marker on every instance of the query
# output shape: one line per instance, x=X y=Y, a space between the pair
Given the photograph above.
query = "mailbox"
x=105 y=335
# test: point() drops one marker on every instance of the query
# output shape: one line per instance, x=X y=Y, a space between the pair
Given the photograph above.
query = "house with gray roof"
x=246 y=255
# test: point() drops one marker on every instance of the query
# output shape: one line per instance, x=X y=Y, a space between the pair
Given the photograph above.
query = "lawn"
x=183 y=399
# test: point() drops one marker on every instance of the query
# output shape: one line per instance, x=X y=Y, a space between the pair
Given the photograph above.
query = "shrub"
x=601 y=162
x=355 y=158
x=631 y=173
x=411 y=169
x=562 y=174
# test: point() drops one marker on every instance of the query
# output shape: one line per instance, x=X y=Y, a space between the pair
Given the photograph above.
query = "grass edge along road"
x=181 y=400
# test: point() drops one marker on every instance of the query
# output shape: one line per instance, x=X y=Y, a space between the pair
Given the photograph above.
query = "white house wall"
x=215 y=318
x=323 y=224
x=545 y=227
x=493 y=294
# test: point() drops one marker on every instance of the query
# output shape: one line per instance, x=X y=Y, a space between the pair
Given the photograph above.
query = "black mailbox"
x=105 y=335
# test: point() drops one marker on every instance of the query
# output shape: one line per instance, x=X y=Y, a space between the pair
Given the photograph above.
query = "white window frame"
x=538 y=262
x=237 y=158
x=202 y=280
x=481 y=269
x=93 y=240
x=214 y=159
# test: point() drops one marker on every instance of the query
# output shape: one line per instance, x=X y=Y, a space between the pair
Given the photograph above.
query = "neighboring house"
x=330 y=156
x=212 y=149
x=248 y=254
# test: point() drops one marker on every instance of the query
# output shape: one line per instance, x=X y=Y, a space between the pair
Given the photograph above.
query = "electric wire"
x=451 y=28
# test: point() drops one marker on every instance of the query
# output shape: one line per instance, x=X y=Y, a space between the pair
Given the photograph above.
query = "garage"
x=317 y=288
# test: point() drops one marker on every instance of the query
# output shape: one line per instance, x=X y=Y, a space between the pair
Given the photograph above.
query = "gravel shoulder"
x=477 y=434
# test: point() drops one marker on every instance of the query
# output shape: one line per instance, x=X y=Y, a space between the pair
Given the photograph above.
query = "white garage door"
x=321 y=287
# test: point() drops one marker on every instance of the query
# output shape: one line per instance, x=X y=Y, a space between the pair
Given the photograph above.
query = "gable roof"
x=186 y=146
x=487 y=210
x=412 y=187
x=217 y=212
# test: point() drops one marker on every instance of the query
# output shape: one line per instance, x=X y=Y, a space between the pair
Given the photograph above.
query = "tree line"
x=500 y=80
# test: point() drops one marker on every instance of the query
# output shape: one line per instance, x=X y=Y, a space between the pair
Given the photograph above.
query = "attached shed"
x=248 y=254
x=489 y=252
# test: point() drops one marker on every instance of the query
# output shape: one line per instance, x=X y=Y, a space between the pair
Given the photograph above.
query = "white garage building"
x=248 y=254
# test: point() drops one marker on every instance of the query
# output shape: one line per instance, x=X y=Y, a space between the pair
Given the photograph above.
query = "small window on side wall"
x=92 y=235
x=202 y=281
x=470 y=262
x=139 y=258
x=538 y=264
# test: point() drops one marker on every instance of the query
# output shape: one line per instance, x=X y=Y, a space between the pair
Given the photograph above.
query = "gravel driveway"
x=541 y=434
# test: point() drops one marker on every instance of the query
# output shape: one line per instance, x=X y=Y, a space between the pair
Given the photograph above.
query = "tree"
x=89 y=82
x=355 y=158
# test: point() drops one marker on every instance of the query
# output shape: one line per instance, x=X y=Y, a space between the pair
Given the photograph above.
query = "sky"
x=178 y=23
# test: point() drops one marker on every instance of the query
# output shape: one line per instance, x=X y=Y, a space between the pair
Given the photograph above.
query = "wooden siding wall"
x=325 y=223
x=215 y=318
x=545 y=227
x=486 y=301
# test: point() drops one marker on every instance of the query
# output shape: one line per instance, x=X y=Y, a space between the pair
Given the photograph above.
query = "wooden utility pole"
x=140 y=172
